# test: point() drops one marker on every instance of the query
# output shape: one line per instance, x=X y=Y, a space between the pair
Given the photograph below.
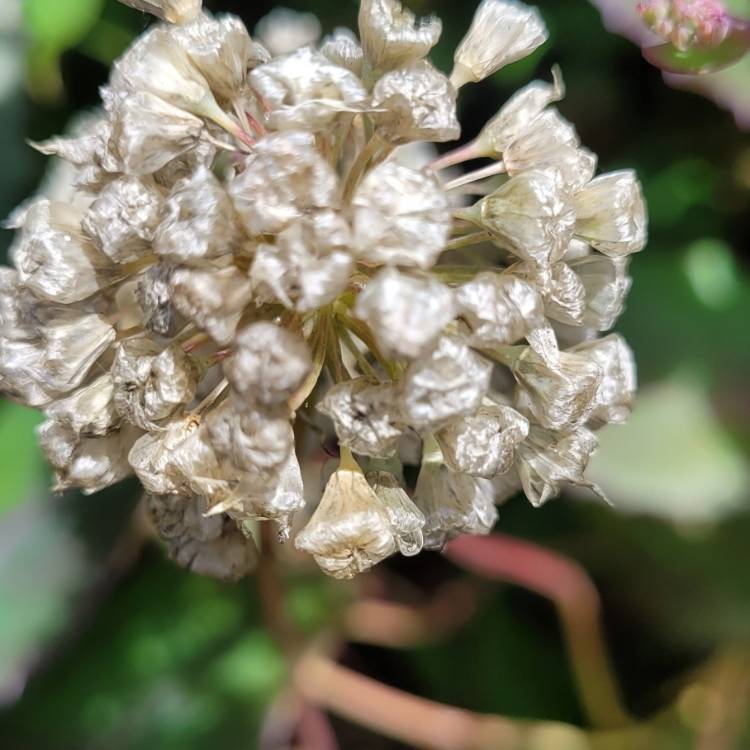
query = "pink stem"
x=457 y=156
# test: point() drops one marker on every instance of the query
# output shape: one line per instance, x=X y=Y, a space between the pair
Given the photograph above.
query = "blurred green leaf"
x=20 y=460
x=60 y=24
x=713 y=273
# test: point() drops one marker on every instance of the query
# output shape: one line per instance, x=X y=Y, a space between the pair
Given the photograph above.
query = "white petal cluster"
x=247 y=259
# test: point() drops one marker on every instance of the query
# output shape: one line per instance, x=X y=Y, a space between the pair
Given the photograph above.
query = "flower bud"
x=406 y=519
x=305 y=91
x=365 y=416
x=416 y=103
x=268 y=365
x=483 y=444
x=173 y=11
x=401 y=217
x=199 y=220
x=350 y=530
x=283 y=178
x=212 y=298
x=452 y=504
x=123 y=218
x=611 y=214
x=501 y=32
x=405 y=313
x=613 y=401
x=391 y=35
x=530 y=215
x=549 y=459
x=500 y=308
x=211 y=546
x=448 y=382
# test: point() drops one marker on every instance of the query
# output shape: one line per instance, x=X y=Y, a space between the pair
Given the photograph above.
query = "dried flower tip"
x=448 y=382
x=606 y=285
x=391 y=35
x=483 y=444
x=268 y=365
x=343 y=48
x=500 y=308
x=562 y=291
x=611 y=214
x=212 y=546
x=407 y=520
x=365 y=416
x=173 y=11
x=405 y=313
x=350 y=530
x=501 y=32
x=416 y=103
x=452 y=504
x=401 y=217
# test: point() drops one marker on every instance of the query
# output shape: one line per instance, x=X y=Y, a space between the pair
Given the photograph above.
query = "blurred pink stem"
x=568 y=586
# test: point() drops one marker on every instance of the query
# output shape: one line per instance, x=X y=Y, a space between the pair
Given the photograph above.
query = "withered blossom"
x=247 y=254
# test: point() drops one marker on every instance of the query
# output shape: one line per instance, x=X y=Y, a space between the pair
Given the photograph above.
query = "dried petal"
x=212 y=298
x=448 y=382
x=613 y=401
x=90 y=411
x=343 y=48
x=173 y=11
x=406 y=519
x=365 y=416
x=548 y=459
x=199 y=220
x=350 y=530
x=154 y=296
x=53 y=257
x=269 y=364
x=212 y=546
x=500 y=308
x=284 y=30
x=415 y=103
x=483 y=444
x=306 y=91
x=562 y=291
x=283 y=178
x=531 y=215
x=401 y=217
x=452 y=504
x=391 y=35
x=606 y=284
x=501 y=32
x=123 y=218
x=611 y=214
x=406 y=313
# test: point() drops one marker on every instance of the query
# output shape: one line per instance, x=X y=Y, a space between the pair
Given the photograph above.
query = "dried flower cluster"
x=687 y=23
x=249 y=256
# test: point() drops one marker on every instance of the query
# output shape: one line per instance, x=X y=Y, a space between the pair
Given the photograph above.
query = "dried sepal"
x=447 y=382
x=611 y=214
x=401 y=216
x=406 y=519
x=350 y=530
x=501 y=32
x=268 y=365
x=452 y=504
x=211 y=546
x=366 y=417
x=415 y=103
x=391 y=35
x=483 y=444
x=406 y=313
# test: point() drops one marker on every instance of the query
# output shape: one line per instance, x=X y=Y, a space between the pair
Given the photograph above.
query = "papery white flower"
x=611 y=215
x=284 y=30
x=502 y=32
x=406 y=313
x=90 y=411
x=391 y=35
x=606 y=285
x=415 y=103
x=447 y=382
x=343 y=48
x=153 y=294
x=401 y=217
x=406 y=519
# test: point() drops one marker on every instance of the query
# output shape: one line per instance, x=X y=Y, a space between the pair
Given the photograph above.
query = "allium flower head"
x=251 y=258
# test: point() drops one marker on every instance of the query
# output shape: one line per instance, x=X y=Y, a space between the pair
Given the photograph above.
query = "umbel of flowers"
x=249 y=256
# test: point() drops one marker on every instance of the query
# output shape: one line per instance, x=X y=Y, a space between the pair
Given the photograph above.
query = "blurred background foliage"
x=104 y=644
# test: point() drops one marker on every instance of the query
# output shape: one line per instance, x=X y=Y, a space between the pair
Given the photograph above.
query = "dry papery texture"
x=257 y=249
